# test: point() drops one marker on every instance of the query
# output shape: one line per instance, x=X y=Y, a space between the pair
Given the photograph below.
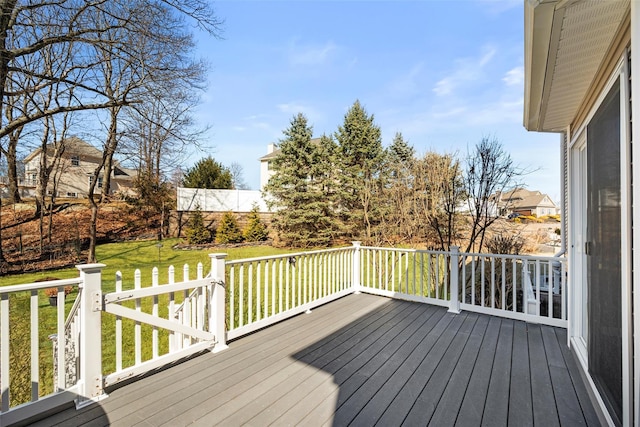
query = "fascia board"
x=539 y=20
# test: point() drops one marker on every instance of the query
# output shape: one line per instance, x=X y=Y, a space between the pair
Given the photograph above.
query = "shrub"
x=505 y=244
x=197 y=233
x=255 y=231
x=228 y=230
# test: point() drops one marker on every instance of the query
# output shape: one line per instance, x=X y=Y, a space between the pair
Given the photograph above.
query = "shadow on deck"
x=364 y=360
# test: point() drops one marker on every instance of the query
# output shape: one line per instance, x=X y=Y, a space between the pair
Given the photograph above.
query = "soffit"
x=581 y=34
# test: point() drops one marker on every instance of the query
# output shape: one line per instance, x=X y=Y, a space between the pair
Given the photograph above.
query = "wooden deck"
x=364 y=360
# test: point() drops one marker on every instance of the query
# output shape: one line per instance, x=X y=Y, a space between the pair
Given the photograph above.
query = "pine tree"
x=255 y=231
x=400 y=151
x=299 y=188
x=196 y=232
x=361 y=157
x=228 y=230
x=207 y=173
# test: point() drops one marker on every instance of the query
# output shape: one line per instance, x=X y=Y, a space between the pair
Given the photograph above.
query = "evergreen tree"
x=207 y=173
x=400 y=151
x=255 y=231
x=196 y=232
x=228 y=230
x=361 y=156
x=299 y=186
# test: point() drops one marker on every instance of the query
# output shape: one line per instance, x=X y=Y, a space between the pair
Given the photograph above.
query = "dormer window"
x=75 y=161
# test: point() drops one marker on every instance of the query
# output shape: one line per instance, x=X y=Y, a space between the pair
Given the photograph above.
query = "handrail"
x=39 y=285
x=288 y=255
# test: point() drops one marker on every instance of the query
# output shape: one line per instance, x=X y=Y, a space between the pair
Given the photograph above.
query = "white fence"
x=149 y=326
x=188 y=199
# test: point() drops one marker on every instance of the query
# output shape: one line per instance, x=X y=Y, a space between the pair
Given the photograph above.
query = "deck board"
x=520 y=400
x=363 y=360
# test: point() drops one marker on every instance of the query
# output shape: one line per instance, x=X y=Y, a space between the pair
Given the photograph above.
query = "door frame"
x=577 y=228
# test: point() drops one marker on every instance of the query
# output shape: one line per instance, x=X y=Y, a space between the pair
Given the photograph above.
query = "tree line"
x=126 y=65
x=347 y=186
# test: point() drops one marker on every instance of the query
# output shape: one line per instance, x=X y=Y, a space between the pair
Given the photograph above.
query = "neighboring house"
x=76 y=168
x=266 y=170
x=526 y=202
x=582 y=63
x=265 y=164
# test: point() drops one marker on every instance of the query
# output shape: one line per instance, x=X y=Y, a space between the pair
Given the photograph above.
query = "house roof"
x=276 y=152
x=566 y=43
x=521 y=198
x=73 y=145
x=532 y=201
x=518 y=193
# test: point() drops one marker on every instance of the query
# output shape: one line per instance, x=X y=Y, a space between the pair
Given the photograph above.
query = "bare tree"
x=489 y=172
x=148 y=74
x=237 y=176
x=27 y=28
x=443 y=181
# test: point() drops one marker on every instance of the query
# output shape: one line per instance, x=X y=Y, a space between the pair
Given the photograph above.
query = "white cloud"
x=466 y=70
x=515 y=76
x=445 y=86
x=311 y=54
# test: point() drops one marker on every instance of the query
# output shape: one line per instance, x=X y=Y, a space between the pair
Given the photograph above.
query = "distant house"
x=75 y=170
x=526 y=202
x=266 y=170
x=265 y=164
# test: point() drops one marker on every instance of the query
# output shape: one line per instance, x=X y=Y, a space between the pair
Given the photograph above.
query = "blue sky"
x=444 y=73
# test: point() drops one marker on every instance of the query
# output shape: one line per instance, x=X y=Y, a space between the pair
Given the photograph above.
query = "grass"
x=129 y=256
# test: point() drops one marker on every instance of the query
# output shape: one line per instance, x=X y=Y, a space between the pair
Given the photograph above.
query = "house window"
x=75 y=161
x=99 y=181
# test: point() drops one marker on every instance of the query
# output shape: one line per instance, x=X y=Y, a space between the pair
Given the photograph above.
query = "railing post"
x=454 y=297
x=91 y=388
x=355 y=280
x=217 y=316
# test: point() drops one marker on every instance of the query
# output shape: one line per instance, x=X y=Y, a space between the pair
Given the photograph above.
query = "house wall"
x=74 y=179
x=265 y=172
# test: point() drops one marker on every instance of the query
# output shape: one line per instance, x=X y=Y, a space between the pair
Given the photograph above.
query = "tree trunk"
x=109 y=150
x=12 y=168
x=2 y=260
x=93 y=225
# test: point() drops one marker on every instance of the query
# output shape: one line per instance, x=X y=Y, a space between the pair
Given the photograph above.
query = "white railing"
x=514 y=286
x=71 y=345
x=416 y=275
x=30 y=383
x=262 y=291
x=159 y=324
x=153 y=325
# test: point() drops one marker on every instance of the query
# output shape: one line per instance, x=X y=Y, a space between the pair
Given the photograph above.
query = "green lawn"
x=129 y=256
